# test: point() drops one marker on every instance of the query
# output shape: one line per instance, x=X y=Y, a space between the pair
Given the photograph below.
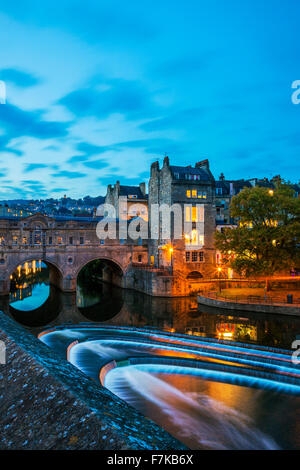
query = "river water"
x=202 y=413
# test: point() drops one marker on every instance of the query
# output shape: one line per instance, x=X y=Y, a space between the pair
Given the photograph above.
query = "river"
x=201 y=412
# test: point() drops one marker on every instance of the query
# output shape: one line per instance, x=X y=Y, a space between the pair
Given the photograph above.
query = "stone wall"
x=46 y=403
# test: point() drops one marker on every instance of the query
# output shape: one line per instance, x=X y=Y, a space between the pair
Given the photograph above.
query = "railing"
x=253 y=299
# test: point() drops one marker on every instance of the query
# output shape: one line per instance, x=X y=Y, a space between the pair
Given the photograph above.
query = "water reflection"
x=103 y=303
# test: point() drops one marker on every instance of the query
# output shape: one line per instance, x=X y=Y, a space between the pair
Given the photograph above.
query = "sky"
x=97 y=90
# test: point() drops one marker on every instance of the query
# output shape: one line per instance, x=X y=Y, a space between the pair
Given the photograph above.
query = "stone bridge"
x=66 y=245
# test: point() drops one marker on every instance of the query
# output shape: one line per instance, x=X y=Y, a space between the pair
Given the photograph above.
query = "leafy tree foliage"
x=267 y=237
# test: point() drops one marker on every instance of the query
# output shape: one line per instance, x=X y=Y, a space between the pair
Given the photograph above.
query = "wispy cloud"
x=19 y=78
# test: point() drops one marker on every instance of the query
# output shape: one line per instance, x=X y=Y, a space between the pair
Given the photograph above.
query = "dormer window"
x=219 y=191
x=132 y=196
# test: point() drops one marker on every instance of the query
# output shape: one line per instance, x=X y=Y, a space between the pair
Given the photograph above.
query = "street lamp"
x=171 y=250
x=219 y=274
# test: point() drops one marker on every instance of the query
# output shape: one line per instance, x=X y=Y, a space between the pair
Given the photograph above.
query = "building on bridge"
x=193 y=190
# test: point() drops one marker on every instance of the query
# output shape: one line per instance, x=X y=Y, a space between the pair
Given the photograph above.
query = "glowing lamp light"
x=271 y=192
x=171 y=250
x=219 y=270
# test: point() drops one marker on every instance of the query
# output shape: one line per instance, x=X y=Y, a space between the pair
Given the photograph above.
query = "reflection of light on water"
x=199 y=420
x=39 y=295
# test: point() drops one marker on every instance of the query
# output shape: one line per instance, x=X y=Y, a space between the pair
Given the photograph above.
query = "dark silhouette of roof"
x=132 y=191
x=189 y=170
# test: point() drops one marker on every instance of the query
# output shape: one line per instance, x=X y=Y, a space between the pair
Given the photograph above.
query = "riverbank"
x=247 y=304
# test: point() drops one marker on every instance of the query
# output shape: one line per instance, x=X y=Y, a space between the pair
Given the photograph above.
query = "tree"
x=267 y=237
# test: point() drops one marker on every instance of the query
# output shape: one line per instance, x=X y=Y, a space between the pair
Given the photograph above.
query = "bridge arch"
x=112 y=270
x=194 y=275
x=55 y=272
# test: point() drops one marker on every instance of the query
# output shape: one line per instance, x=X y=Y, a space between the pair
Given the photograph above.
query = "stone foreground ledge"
x=47 y=403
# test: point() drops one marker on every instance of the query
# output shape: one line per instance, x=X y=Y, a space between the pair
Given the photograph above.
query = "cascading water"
x=196 y=418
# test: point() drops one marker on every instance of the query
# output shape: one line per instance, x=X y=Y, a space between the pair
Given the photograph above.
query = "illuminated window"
x=188 y=193
x=194 y=238
x=194 y=193
x=201 y=256
x=24 y=240
x=187 y=256
x=15 y=240
x=59 y=240
x=194 y=256
x=188 y=214
x=151 y=259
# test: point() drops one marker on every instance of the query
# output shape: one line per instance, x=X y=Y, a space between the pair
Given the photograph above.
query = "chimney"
x=166 y=161
x=222 y=177
x=154 y=167
x=203 y=164
x=143 y=188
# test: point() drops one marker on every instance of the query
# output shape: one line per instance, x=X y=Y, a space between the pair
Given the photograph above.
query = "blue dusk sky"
x=97 y=90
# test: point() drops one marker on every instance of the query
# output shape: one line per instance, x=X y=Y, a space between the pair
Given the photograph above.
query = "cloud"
x=18 y=77
x=122 y=96
x=153 y=146
x=68 y=174
x=95 y=164
x=177 y=120
x=4 y=142
x=59 y=190
x=34 y=166
x=91 y=149
x=17 y=122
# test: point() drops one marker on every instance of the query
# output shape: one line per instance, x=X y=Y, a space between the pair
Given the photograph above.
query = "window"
x=15 y=240
x=187 y=256
x=101 y=242
x=24 y=240
x=139 y=258
x=201 y=256
x=194 y=192
x=71 y=240
x=37 y=237
x=188 y=193
x=219 y=191
x=194 y=256
x=81 y=241
x=194 y=238
x=50 y=241
x=59 y=240
x=132 y=196
x=194 y=213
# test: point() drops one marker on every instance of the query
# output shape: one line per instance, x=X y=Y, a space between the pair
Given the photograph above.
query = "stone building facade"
x=192 y=256
x=135 y=198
